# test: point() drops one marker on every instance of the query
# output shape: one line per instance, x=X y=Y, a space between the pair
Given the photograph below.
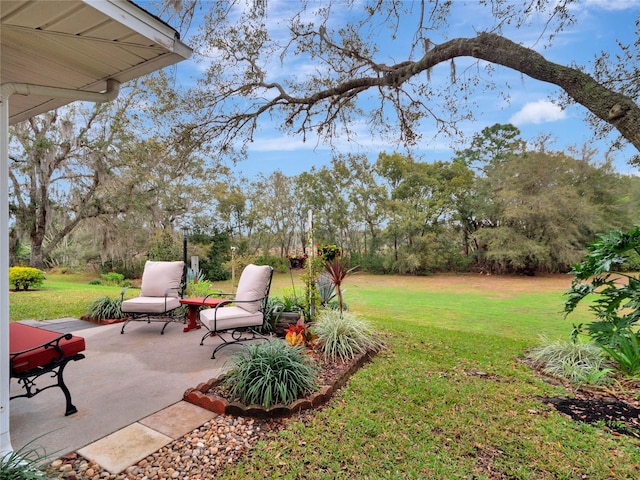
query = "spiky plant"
x=343 y=335
x=338 y=269
x=271 y=372
x=577 y=362
x=22 y=464
x=105 y=308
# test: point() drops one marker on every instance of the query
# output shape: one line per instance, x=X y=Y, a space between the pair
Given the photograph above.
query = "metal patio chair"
x=160 y=293
x=240 y=316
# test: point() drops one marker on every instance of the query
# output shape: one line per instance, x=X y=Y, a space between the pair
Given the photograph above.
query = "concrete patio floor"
x=128 y=391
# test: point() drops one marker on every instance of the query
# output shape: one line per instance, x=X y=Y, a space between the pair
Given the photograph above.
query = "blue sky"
x=528 y=106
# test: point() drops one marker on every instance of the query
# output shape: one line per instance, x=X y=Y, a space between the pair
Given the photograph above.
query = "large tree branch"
x=610 y=106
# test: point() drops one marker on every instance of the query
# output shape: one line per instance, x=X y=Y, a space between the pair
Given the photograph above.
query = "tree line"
x=501 y=205
x=112 y=184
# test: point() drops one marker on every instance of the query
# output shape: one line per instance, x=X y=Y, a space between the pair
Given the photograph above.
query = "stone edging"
x=106 y=321
x=201 y=397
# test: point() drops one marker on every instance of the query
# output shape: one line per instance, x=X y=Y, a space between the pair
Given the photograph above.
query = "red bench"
x=34 y=352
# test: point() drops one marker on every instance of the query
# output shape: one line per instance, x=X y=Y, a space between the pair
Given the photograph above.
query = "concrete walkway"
x=128 y=391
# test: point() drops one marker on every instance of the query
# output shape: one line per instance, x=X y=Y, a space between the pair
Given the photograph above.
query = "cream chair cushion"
x=229 y=318
x=149 y=305
x=157 y=277
x=253 y=286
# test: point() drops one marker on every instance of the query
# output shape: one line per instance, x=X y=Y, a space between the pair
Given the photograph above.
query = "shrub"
x=271 y=372
x=577 y=362
x=626 y=354
x=616 y=294
x=24 y=277
x=279 y=264
x=343 y=335
x=199 y=289
x=105 y=308
x=113 y=279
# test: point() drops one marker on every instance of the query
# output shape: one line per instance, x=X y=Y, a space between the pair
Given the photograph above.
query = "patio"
x=133 y=382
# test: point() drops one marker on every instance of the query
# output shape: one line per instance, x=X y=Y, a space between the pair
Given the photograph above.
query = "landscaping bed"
x=333 y=375
x=616 y=410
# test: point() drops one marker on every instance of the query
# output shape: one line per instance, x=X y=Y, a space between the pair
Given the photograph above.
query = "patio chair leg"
x=124 y=325
x=165 y=326
x=210 y=333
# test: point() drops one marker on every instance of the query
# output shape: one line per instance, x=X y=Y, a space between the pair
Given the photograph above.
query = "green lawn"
x=62 y=295
x=421 y=410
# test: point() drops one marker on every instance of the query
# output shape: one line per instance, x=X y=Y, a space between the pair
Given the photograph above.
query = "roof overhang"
x=52 y=53
x=79 y=45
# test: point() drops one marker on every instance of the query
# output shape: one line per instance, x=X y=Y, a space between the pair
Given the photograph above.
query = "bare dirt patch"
x=504 y=284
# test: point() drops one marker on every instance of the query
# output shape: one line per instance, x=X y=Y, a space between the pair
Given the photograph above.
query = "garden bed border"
x=202 y=396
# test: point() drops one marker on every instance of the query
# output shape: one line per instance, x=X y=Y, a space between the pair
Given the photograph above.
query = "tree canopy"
x=116 y=173
x=251 y=68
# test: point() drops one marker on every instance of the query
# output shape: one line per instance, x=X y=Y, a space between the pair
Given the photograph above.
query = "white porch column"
x=5 y=440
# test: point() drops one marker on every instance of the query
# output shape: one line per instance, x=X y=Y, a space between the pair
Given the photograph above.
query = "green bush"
x=576 y=362
x=105 y=308
x=131 y=269
x=113 y=279
x=626 y=354
x=271 y=372
x=615 y=294
x=343 y=335
x=279 y=264
x=199 y=289
x=24 y=277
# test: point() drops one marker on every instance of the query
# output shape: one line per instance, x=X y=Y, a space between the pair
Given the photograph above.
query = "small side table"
x=193 y=307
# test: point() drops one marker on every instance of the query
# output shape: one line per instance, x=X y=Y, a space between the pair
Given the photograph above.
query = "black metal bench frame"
x=27 y=379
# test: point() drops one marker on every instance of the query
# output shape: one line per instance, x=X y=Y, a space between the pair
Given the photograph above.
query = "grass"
x=422 y=410
x=62 y=295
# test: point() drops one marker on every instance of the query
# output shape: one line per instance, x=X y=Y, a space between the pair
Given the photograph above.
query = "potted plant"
x=286 y=311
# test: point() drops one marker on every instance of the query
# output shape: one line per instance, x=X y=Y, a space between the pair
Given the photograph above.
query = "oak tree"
x=251 y=72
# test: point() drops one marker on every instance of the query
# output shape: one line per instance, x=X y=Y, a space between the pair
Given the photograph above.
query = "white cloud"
x=613 y=4
x=542 y=111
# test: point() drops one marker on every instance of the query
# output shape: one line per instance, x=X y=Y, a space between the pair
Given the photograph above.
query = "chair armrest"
x=53 y=343
x=166 y=295
x=168 y=290
x=125 y=289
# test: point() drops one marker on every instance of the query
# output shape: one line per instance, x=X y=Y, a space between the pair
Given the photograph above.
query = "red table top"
x=209 y=302
x=23 y=337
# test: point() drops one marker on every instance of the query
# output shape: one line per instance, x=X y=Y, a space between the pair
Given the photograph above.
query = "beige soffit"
x=78 y=45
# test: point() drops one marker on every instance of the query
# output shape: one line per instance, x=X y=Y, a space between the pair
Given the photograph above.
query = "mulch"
x=616 y=410
x=620 y=416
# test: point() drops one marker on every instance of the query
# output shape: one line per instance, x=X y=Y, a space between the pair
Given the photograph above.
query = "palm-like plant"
x=338 y=269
